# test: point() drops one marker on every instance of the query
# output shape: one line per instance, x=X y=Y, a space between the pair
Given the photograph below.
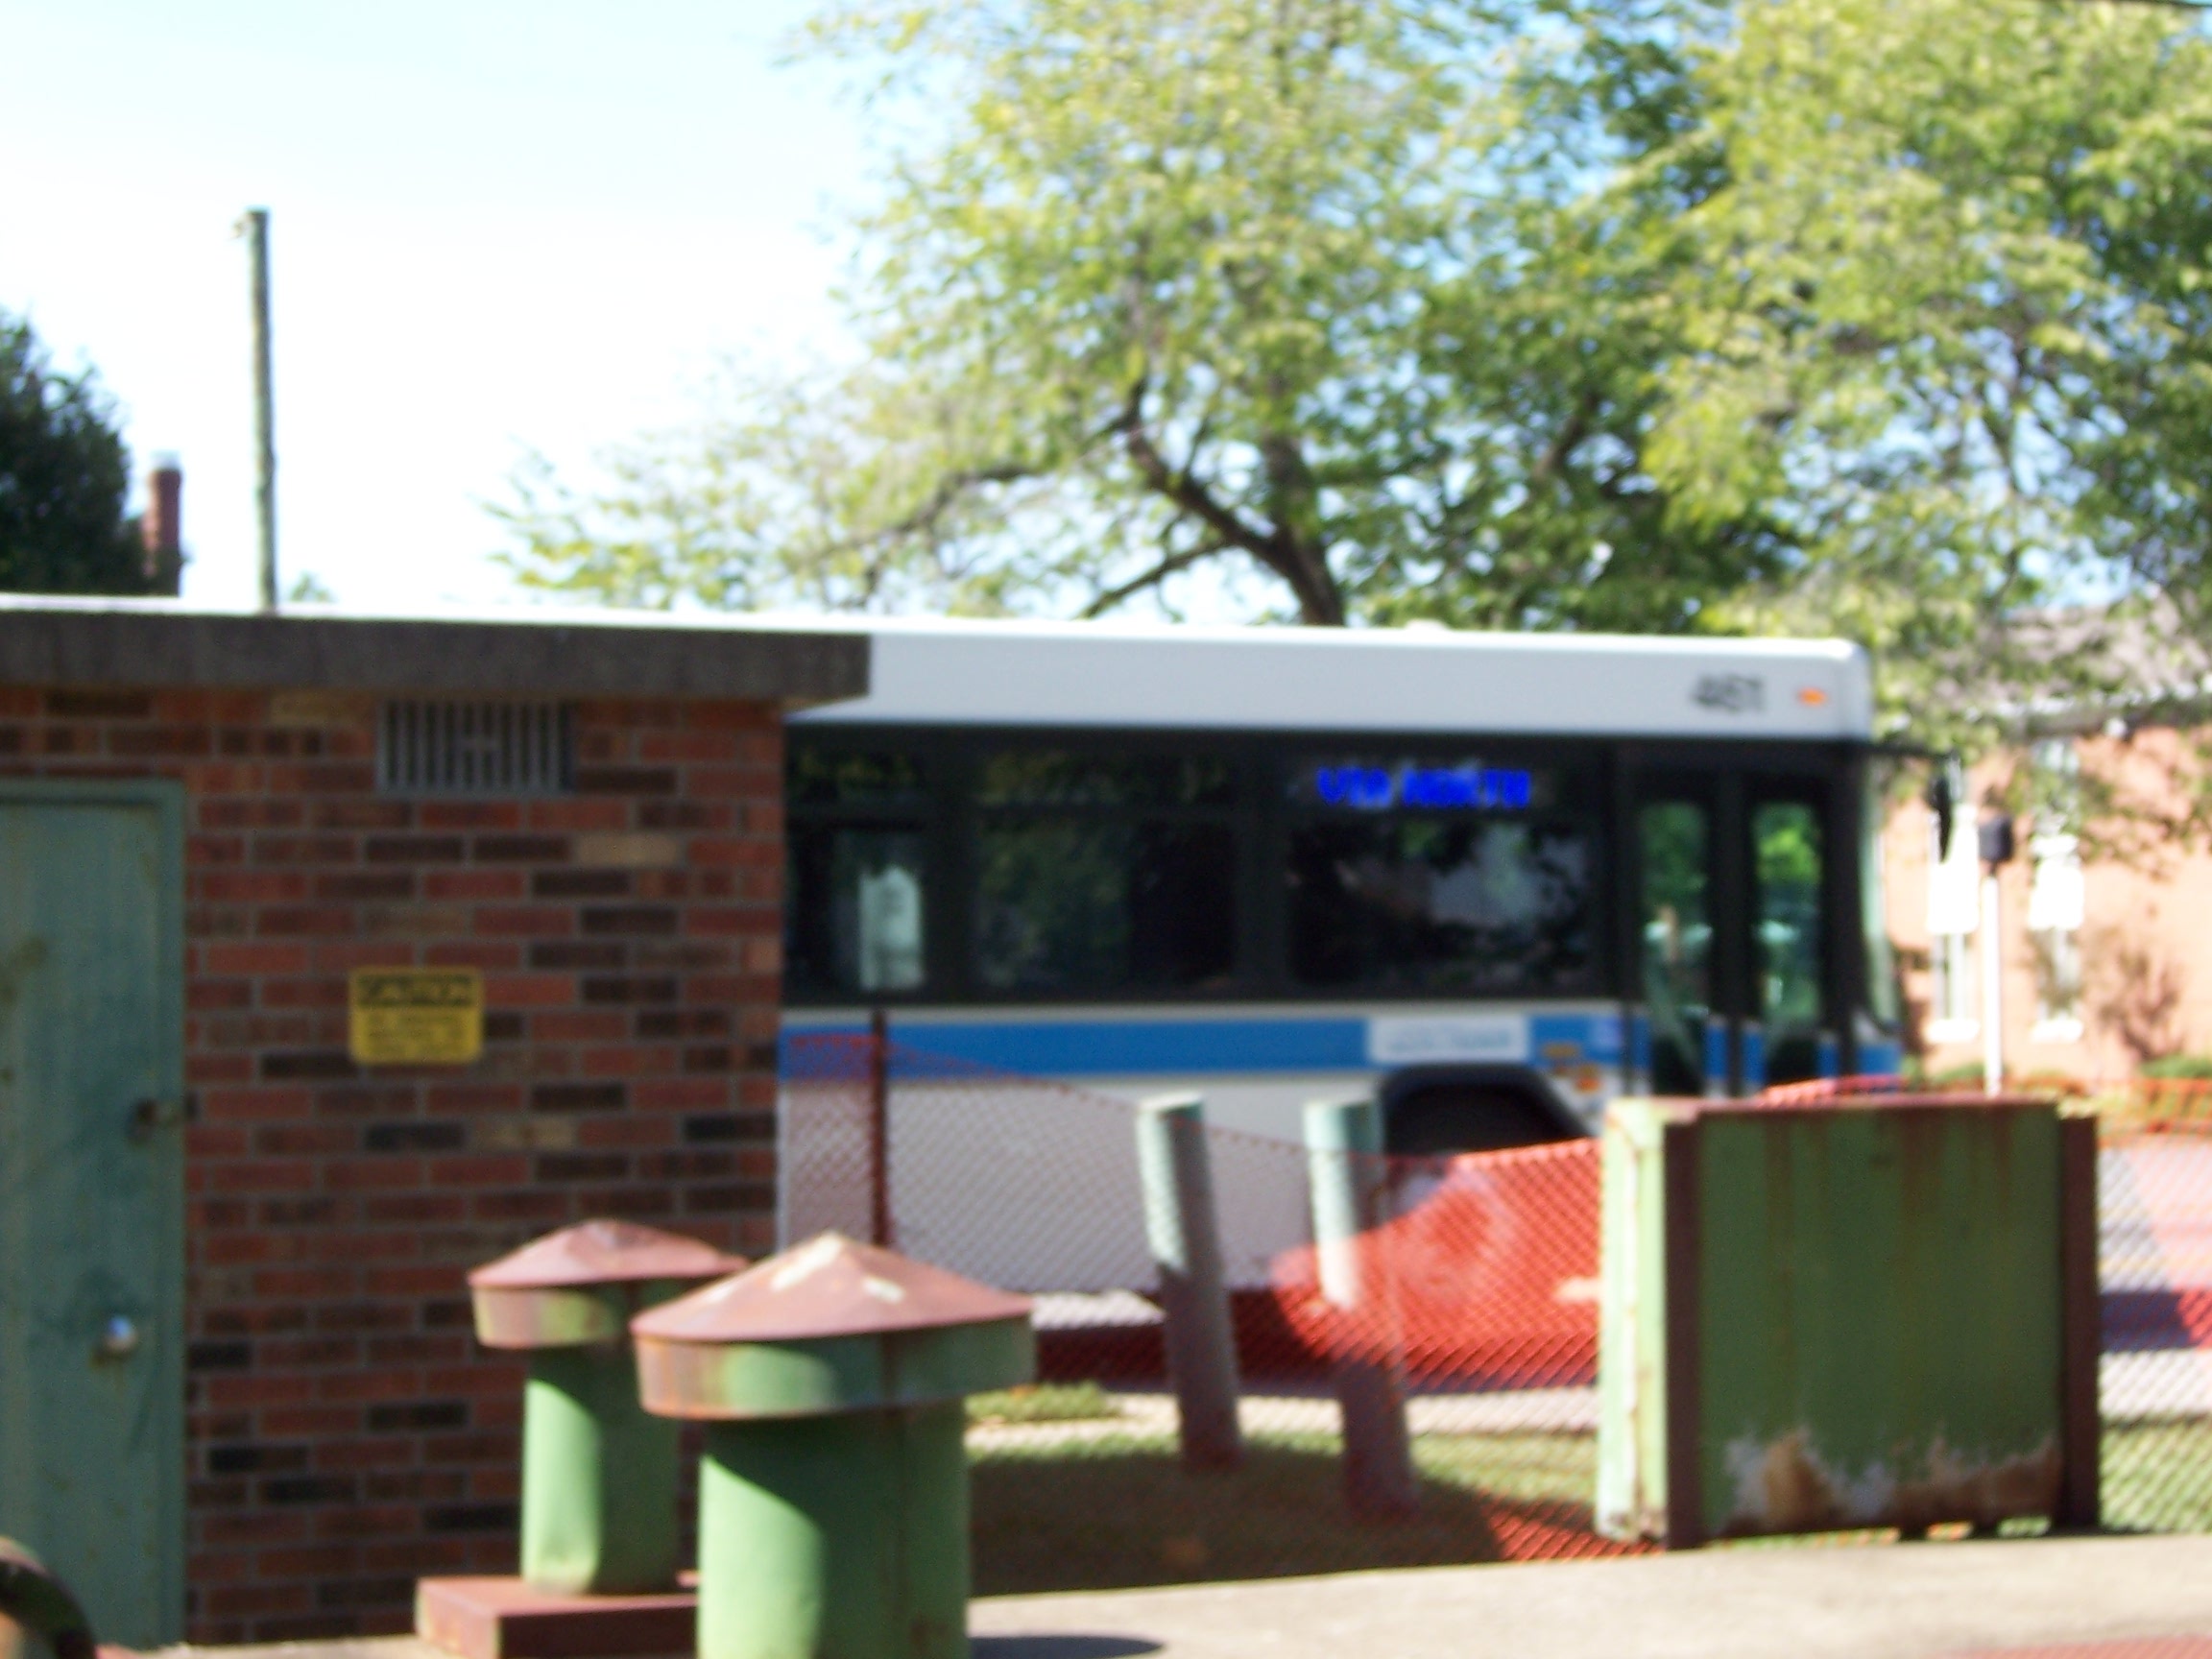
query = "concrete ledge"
x=49 y=641
x=505 y=1618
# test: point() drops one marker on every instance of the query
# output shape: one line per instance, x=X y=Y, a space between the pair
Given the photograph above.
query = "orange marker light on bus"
x=1811 y=696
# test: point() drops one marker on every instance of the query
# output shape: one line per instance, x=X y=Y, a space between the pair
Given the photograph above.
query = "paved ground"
x=1912 y=1602
x=2053 y=1599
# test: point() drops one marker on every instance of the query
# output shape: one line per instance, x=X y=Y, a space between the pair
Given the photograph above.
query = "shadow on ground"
x=1059 y=1646
x=1117 y=1517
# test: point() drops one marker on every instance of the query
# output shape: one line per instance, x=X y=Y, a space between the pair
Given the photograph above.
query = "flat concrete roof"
x=48 y=641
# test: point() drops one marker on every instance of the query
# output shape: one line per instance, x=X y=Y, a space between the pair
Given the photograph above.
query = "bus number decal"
x=1731 y=693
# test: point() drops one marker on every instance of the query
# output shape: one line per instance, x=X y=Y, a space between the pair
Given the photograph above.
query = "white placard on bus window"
x=1443 y=1039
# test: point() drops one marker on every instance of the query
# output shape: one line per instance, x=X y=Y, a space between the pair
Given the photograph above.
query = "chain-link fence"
x=1477 y=1302
x=2154 y=1197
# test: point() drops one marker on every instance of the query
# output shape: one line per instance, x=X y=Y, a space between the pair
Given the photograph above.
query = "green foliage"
x=1948 y=318
x=833 y=490
x=2183 y=1067
x=1874 y=317
x=1275 y=289
x=63 y=474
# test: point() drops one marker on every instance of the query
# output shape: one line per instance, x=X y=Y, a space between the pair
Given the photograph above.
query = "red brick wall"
x=345 y=1435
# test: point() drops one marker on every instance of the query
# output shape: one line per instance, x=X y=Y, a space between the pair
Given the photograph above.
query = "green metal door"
x=91 y=1196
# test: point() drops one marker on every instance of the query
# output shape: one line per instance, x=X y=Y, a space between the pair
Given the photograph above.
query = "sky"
x=493 y=227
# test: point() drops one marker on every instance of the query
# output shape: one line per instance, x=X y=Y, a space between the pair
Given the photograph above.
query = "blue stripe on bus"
x=1105 y=1047
x=1079 y=1048
x=1881 y=1059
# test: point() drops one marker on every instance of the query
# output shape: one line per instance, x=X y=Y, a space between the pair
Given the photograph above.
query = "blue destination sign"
x=1468 y=788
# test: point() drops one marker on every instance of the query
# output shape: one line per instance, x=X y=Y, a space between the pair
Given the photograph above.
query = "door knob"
x=119 y=1336
x=148 y=1116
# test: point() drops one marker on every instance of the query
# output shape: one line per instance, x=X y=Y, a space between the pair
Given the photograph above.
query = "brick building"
x=2106 y=960
x=206 y=823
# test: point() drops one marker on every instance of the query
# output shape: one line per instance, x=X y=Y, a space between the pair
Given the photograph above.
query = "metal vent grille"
x=455 y=748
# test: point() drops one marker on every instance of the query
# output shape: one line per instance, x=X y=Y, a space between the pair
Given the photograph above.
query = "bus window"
x=1060 y=778
x=854 y=923
x=1676 y=838
x=1787 y=874
x=1418 y=902
x=1069 y=904
x=1102 y=873
x=1881 y=976
x=852 y=778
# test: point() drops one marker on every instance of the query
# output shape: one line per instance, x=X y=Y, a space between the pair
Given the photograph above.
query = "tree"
x=1879 y=318
x=1949 y=322
x=63 y=476
x=1253 y=286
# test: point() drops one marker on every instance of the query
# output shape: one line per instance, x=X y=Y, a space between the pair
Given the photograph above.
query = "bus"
x=1492 y=880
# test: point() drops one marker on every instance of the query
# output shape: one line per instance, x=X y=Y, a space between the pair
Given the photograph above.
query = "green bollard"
x=1185 y=1238
x=833 y=1493
x=599 y=1471
x=1345 y=1174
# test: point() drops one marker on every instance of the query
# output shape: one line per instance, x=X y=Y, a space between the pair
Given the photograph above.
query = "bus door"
x=1733 y=981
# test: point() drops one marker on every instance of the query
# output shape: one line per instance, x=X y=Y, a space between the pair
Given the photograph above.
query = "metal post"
x=879 y=1225
x=256 y=229
x=598 y=1476
x=1992 y=986
x=1636 y=1050
x=834 y=1511
x=1750 y=1057
x=1345 y=1173
x=842 y=1534
x=1186 y=1245
x=599 y=1473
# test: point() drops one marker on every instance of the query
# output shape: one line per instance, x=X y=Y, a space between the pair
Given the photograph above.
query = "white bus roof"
x=1409 y=680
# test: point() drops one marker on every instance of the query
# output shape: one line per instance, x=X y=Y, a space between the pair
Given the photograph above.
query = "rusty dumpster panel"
x=1879 y=1332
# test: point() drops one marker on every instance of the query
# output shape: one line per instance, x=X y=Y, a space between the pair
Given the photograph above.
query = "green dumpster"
x=1845 y=1314
x=599 y=1475
x=833 y=1492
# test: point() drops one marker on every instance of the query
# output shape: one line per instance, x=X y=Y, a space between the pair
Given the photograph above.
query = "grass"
x=1044 y=1403
x=2158 y=1476
x=1114 y=1512
x=1117 y=1510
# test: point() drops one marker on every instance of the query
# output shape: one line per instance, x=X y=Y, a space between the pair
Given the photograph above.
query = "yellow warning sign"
x=415 y=1016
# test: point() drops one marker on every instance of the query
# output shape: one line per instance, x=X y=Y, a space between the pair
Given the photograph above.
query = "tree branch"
x=1566 y=440
x=949 y=489
x=1152 y=578
x=1180 y=487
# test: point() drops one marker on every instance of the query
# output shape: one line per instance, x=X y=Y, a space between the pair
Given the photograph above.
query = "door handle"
x=150 y=1115
x=119 y=1337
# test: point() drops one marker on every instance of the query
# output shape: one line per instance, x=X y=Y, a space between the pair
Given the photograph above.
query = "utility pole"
x=255 y=227
x=1996 y=848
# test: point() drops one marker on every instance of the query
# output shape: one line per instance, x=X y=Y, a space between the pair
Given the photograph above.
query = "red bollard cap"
x=831 y=1325
x=553 y=1292
x=830 y=1287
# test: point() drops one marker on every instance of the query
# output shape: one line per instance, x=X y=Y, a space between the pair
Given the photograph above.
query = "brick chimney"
x=163 y=527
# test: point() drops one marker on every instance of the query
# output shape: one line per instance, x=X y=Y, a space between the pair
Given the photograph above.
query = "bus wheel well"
x=1434 y=1112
